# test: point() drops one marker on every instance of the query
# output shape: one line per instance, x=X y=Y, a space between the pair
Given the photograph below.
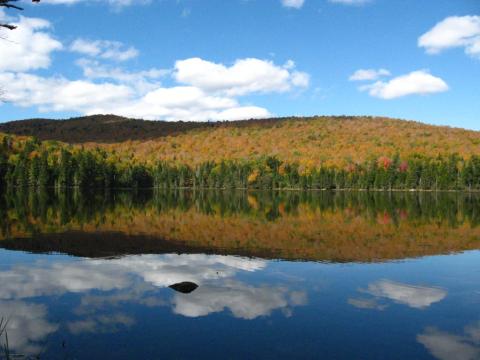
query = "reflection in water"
x=56 y=278
x=338 y=227
x=106 y=284
x=185 y=287
x=115 y=298
x=418 y=297
x=101 y=324
x=27 y=326
x=244 y=301
x=446 y=346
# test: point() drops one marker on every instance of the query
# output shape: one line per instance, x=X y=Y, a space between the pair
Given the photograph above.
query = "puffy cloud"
x=203 y=90
x=296 y=4
x=454 y=31
x=245 y=76
x=61 y=94
x=29 y=46
x=415 y=83
x=418 y=297
x=87 y=97
x=184 y=103
x=445 y=346
x=105 y=49
x=368 y=74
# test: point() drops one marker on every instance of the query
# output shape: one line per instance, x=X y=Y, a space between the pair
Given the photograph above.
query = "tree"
x=9 y=4
x=43 y=172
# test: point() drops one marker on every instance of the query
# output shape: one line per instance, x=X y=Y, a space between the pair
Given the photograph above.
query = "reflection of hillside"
x=331 y=227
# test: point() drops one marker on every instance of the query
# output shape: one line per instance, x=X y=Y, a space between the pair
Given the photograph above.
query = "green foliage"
x=31 y=163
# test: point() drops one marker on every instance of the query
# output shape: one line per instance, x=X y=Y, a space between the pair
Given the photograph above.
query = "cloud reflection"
x=418 y=297
x=27 y=325
x=61 y=277
x=101 y=324
x=446 y=346
x=243 y=301
x=105 y=285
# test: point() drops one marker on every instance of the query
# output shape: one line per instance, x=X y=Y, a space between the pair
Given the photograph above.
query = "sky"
x=208 y=60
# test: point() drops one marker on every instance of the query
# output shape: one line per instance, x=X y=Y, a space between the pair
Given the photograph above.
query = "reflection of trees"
x=309 y=225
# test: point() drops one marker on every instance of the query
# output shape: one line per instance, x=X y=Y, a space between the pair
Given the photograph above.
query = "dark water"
x=279 y=275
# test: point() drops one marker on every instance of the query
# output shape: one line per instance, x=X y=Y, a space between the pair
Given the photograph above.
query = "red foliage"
x=403 y=167
x=385 y=162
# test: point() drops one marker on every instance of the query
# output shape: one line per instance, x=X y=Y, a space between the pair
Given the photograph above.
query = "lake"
x=346 y=275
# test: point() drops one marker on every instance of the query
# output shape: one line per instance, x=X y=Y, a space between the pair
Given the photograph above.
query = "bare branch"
x=8 y=4
x=9 y=27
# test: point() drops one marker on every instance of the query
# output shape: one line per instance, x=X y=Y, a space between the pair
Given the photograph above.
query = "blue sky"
x=228 y=59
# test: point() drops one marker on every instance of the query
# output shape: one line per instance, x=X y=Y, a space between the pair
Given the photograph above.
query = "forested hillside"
x=97 y=128
x=28 y=162
x=311 y=142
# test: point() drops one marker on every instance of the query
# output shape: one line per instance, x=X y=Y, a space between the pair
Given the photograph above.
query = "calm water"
x=283 y=275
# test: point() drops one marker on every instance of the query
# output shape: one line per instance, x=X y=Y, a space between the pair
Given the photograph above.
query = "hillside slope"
x=97 y=128
x=310 y=141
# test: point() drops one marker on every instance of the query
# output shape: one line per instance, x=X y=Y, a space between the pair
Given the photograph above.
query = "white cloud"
x=142 y=81
x=59 y=93
x=415 y=83
x=202 y=90
x=184 y=103
x=454 y=31
x=418 y=297
x=29 y=47
x=105 y=49
x=87 y=97
x=368 y=74
x=350 y=2
x=211 y=95
x=245 y=76
x=296 y=4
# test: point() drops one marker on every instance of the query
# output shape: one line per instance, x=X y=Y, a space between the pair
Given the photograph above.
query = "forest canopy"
x=28 y=162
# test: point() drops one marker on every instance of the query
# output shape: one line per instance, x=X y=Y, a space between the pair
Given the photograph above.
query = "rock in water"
x=185 y=287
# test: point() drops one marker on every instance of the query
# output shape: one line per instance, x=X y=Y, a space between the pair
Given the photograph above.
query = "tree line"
x=37 y=164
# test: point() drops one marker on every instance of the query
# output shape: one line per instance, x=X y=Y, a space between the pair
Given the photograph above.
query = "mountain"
x=97 y=128
x=312 y=141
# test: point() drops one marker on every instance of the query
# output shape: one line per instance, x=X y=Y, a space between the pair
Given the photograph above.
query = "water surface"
x=279 y=275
